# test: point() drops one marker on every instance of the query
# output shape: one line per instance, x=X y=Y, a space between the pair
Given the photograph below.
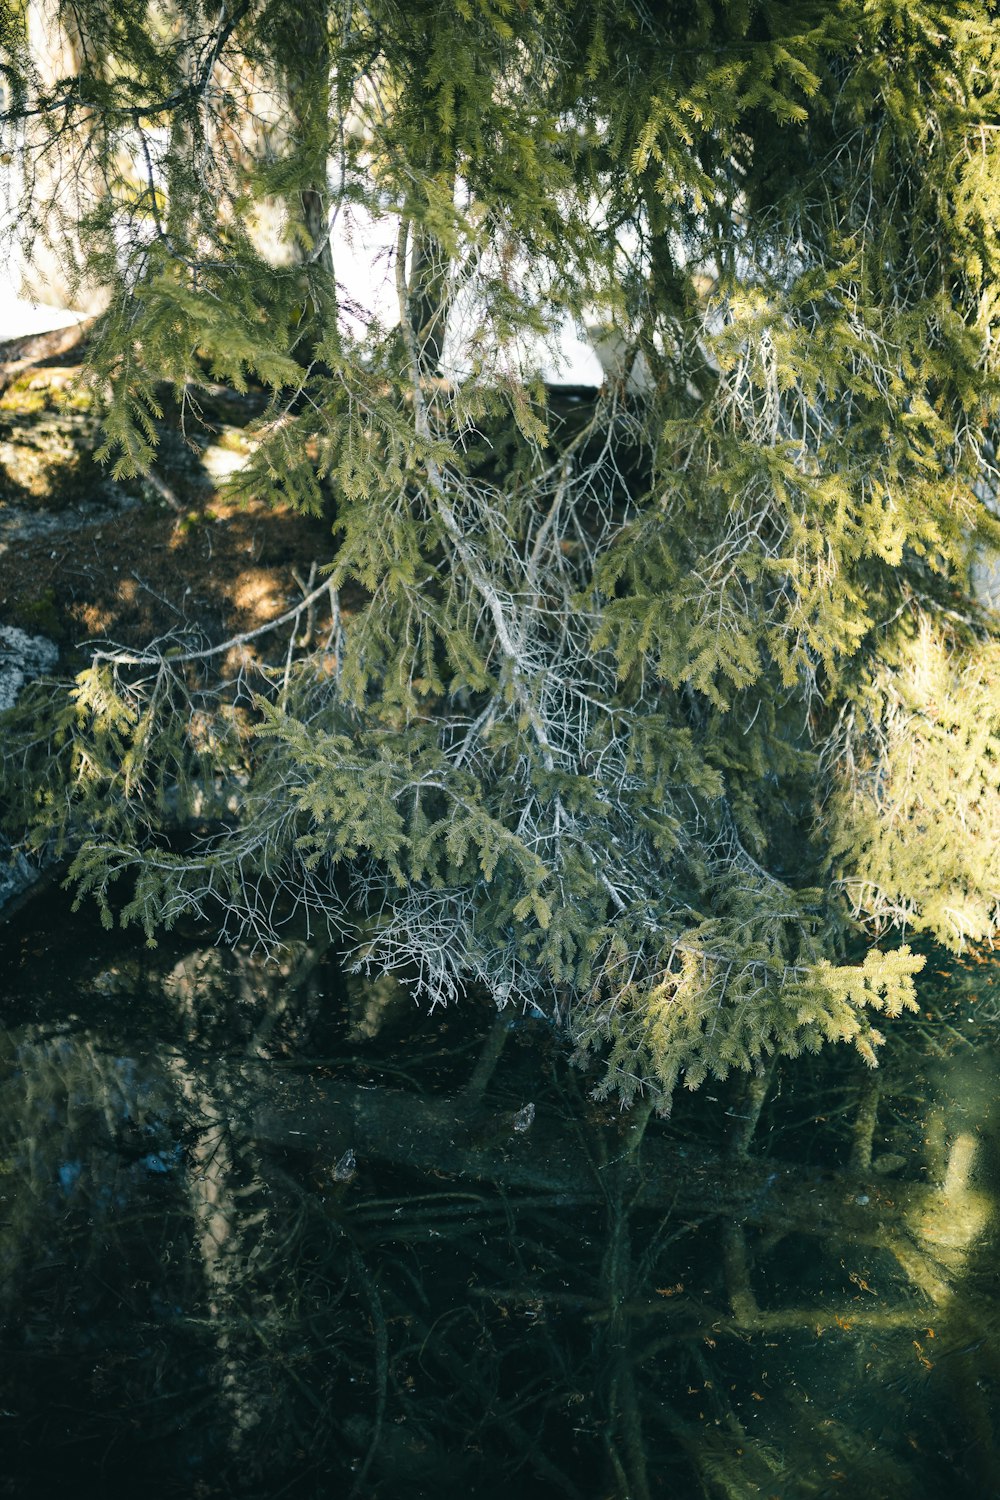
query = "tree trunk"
x=929 y=1229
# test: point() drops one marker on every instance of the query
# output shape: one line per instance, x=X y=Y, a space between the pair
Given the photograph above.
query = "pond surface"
x=268 y=1231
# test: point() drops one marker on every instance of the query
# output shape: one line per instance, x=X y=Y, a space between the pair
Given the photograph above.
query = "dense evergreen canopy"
x=640 y=710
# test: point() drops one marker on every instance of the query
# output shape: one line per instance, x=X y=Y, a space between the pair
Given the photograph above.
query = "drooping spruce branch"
x=627 y=720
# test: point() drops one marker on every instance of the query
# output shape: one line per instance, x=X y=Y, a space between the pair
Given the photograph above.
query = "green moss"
x=47 y=391
x=25 y=402
x=43 y=615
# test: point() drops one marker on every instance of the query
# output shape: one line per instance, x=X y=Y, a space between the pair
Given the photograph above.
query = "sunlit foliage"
x=642 y=706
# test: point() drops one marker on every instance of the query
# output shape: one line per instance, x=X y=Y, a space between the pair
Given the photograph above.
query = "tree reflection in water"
x=785 y=1290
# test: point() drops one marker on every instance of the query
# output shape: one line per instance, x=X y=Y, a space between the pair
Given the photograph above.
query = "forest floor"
x=85 y=557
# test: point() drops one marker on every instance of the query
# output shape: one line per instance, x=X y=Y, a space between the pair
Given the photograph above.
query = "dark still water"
x=267 y=1232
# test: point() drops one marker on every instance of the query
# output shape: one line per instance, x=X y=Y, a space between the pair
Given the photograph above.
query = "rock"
x=889 y=1161
x=30 y=333
x=17 y=874
x=220 y=463
x=347 y=1167
x=22 y=657
x=984 y=576
x=21 y=523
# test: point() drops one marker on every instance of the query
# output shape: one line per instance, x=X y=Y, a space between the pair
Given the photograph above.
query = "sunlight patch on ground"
x=256 y=593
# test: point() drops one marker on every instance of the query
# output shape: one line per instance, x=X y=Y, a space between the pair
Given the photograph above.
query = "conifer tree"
x=652 y=705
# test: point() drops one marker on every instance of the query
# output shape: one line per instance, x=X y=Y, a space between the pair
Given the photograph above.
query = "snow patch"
x=21 y=318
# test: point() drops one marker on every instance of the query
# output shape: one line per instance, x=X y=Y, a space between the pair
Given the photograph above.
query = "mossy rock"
x=48 y=465
x=56 y=390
